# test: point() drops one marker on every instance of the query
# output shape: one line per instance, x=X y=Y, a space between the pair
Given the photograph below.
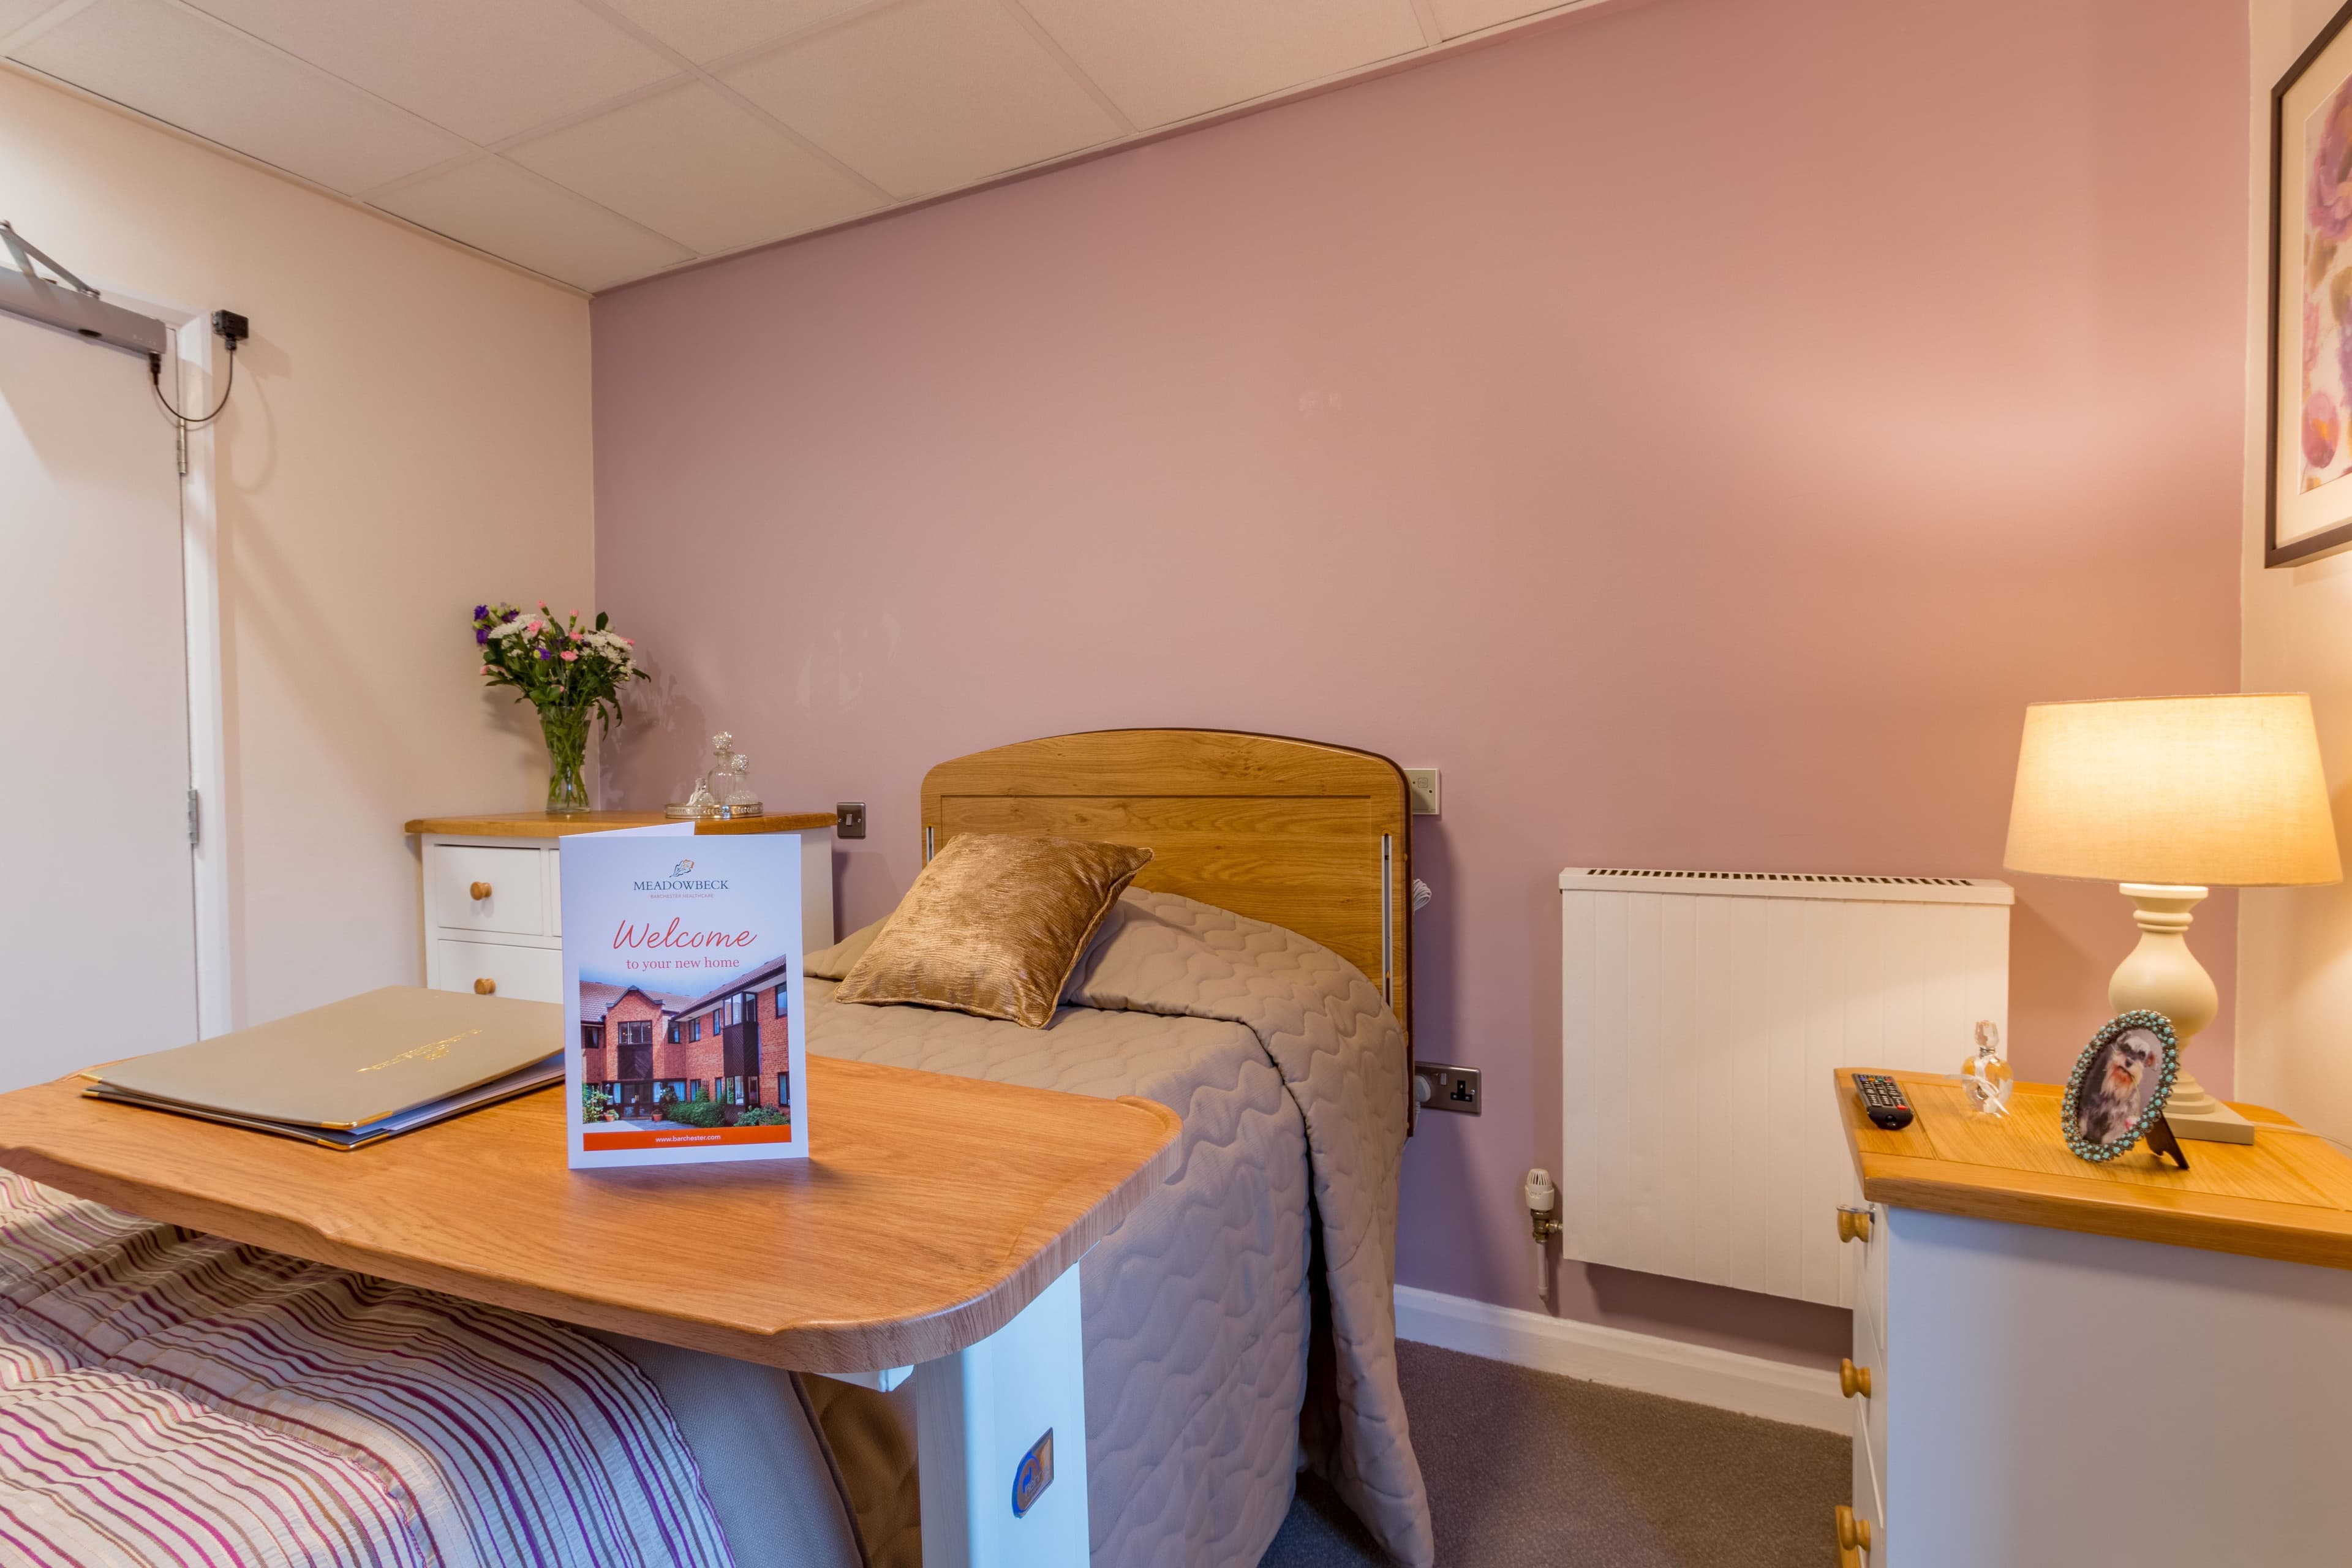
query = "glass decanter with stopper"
x=721 y=779
x=738 y=801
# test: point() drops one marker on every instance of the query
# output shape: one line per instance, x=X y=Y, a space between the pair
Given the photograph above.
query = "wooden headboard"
x=1297 y=834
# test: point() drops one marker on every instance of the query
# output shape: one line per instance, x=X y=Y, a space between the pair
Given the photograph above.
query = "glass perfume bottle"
x=1986 y=1075
x=695 y=807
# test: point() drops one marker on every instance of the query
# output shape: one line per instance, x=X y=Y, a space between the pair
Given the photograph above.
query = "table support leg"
x=979 y=1414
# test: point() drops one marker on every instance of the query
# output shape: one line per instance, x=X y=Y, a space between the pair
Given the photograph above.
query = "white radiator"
x=1702 y=1013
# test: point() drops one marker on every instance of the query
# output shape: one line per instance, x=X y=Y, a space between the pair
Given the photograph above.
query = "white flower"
x=607 y=646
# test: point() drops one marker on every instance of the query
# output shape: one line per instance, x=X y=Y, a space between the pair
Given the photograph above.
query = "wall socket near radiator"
x=1436 y=1087
x=1421 y=788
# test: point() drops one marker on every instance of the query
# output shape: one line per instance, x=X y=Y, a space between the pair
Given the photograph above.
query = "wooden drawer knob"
x=1854 y=1224
x=1852 y=1379
x=489 y=988
x=481 y=891
x=1853 y=1534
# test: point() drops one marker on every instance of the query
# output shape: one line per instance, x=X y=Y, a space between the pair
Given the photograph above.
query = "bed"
x=1237 y=1325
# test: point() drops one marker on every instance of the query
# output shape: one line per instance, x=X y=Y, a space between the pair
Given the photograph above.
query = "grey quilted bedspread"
x=1290 y=1075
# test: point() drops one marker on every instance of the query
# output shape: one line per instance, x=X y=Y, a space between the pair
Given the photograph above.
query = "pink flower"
x=568 y=655
x=486 y=669
x=533 y=627
x=2321 y=430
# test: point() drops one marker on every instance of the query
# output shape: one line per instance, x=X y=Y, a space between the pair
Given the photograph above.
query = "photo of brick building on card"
x=650 y=1050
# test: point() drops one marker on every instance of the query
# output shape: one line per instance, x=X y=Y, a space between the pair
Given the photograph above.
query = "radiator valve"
x=1542 y=1199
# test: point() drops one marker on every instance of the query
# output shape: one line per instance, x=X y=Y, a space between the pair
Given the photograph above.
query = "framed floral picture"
x=2309 y=477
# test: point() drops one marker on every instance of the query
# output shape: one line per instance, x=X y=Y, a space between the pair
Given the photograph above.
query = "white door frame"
x=192 y=341
x=207 y=715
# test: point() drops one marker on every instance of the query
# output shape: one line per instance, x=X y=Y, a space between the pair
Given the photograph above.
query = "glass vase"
x=567 y=754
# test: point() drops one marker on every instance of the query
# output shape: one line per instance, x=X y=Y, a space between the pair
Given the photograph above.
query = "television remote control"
x=1881 y=1101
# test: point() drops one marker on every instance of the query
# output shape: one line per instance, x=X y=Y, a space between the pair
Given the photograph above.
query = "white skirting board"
x=1752 y=1385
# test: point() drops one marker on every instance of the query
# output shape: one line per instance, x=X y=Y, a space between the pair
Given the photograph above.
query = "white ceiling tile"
x=705 y=29
x=485 y=69
x=495 y=207
x=1164 y=60
x=14 y=14
x=927 y=97
x=699 y=169
x=1455 y=17
x=180 y=69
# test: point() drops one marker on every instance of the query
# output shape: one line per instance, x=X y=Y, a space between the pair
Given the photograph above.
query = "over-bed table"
x=939 y=1223
x=820 y=1276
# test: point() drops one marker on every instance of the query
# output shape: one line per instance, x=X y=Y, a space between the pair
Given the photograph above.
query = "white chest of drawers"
x=493 y=894
x=2076 y=1364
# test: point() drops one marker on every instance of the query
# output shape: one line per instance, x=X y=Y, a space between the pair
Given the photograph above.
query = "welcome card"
x=684 y=1037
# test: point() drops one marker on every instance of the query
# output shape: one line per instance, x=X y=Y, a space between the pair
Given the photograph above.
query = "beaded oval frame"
x=2140 y=1019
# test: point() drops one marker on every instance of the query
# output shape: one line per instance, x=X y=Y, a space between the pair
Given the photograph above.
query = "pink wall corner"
x=1699 y=432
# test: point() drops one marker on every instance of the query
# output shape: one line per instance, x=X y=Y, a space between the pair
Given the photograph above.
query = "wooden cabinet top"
x=2287 y=1195
x=539 y=825
x=931 y=1210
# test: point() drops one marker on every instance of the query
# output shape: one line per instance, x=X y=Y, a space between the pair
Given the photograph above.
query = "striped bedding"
x=177 y=1400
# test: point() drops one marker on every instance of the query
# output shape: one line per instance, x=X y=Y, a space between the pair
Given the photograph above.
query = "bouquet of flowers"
x=570 y=674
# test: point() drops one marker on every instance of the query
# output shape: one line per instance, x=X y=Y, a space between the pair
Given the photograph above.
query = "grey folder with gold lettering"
x=354 y=1071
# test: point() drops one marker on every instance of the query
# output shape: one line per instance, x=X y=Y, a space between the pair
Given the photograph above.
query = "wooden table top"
x=931 y=1210
x=539 y=825
x=2287 y=1196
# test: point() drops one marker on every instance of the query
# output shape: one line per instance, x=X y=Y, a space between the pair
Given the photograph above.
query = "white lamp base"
x=2163 y=976
x=2192 y=1112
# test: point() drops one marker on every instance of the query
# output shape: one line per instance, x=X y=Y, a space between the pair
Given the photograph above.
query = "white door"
x=97 y=947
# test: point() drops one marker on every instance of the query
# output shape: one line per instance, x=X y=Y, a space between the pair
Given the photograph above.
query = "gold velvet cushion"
x=995 y=925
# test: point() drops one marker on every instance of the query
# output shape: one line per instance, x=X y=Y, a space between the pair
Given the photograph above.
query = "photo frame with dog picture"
x=2118 y=1093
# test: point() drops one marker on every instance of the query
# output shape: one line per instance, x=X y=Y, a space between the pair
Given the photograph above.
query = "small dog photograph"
x=2117 y=1083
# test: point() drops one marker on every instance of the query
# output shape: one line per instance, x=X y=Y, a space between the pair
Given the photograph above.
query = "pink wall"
x=1698 y=430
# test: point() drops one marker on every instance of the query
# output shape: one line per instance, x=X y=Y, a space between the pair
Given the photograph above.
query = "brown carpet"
x=1525 y=1468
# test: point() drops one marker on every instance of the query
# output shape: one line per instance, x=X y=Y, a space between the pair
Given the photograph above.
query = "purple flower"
x=481 y=636
x=541 y=652
x=2331 y=169
x=480 y=610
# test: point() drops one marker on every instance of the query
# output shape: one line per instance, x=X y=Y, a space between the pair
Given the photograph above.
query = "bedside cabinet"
x=2061 y=1363
x=493 y=894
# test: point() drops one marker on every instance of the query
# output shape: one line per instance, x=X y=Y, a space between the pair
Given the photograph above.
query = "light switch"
x=1421 y=784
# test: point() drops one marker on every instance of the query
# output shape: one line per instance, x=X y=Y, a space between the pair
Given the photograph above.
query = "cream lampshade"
x=2167 y=796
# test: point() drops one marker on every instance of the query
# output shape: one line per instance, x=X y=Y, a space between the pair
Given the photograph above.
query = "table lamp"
x=2167 y=796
